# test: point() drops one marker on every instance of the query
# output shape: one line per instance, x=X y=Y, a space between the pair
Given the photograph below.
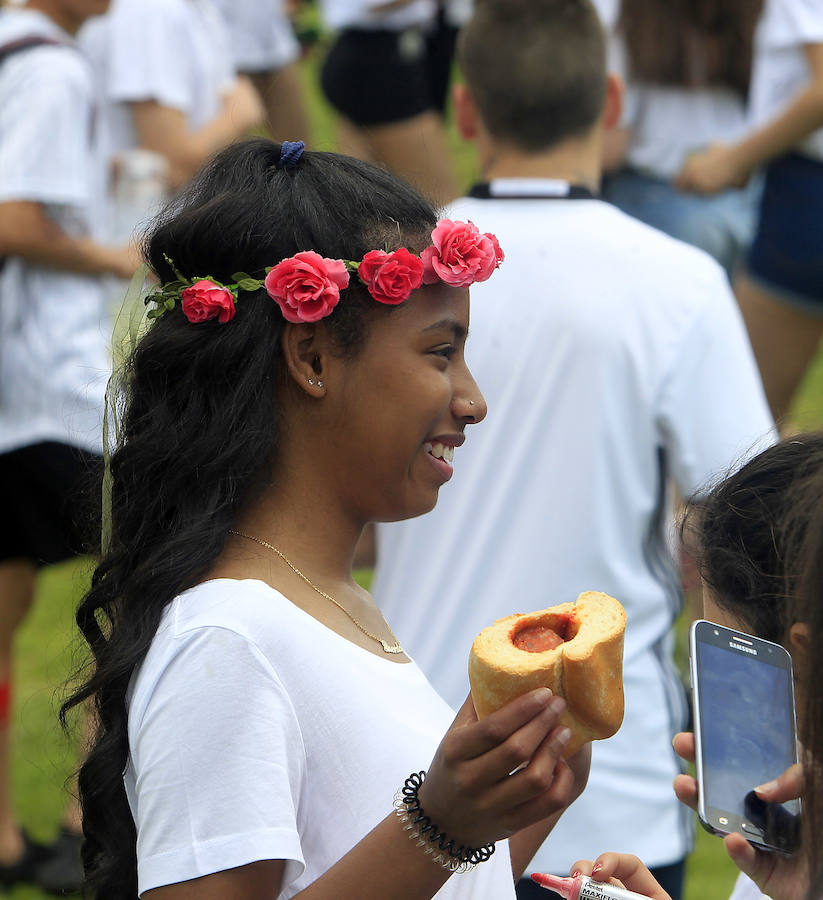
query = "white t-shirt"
x=668 y=122
x=53 y=351
x=260 y=33
x=170 y=51
x=255 y=732
x=781 y=69
x=613 y=359
x=361 y=14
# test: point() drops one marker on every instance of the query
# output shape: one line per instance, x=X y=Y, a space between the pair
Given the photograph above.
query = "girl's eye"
x=447 y=351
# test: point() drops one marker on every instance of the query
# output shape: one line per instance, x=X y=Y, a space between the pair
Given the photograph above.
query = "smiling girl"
x=304 y=375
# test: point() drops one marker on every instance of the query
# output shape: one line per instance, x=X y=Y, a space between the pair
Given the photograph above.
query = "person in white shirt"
x=616 y=366
x=171 y=91
x=687 y=72
x=255 y=713
x=53 y=348
x=781 y=289
x=266 y=49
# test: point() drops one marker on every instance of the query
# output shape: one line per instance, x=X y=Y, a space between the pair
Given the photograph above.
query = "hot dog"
x=575 y=649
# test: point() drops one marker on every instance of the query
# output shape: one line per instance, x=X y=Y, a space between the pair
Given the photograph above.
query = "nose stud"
x=471 y=402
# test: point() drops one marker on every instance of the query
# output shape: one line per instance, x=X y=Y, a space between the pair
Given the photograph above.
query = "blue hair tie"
x=290 y=153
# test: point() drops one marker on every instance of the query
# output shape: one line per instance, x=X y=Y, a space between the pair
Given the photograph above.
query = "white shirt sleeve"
x=712 y=412
x=146 y=54
x=791 y=23
x=803 y=20
x=218 y=761
x=45 y=128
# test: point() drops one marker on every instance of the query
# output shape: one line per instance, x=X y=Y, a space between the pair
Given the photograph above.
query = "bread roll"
x=575 y=649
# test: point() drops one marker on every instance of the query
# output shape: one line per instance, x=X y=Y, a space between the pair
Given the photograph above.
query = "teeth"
x=440 y=451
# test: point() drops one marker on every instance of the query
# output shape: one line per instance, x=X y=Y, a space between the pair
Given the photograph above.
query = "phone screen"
x=746 y=732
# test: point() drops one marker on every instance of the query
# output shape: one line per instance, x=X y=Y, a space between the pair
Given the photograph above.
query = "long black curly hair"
x=200 y=424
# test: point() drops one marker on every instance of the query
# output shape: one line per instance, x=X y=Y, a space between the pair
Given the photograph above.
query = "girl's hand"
x=782 y=878
x=492 y=778
x=712 y=170
x=685 y=786
x=623 y=869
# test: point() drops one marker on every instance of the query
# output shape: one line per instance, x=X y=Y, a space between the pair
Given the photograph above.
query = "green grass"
x=43 y=758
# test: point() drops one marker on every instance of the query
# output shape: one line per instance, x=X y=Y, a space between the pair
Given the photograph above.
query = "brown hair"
x=536 y=68
x=690 y=43
x=808 y=607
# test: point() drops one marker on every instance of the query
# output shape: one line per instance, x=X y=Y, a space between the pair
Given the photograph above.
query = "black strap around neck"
x=25 y=43
x=482 y=191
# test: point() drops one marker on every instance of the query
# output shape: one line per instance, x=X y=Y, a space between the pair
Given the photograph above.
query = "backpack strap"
x=24 y=43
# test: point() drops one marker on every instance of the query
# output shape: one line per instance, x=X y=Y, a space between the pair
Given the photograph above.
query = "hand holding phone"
x=745 y=734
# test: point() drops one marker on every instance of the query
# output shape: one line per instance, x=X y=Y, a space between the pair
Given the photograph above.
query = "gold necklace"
x=389 y=648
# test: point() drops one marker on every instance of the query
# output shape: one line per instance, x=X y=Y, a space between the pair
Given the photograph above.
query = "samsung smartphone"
x=745 y=733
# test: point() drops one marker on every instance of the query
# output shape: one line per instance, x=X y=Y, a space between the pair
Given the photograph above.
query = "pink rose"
x=391 y=277
x=307 y=286
x=460 y=254
x=206 y=300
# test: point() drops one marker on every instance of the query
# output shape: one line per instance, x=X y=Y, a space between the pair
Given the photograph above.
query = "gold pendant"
x=391 y=648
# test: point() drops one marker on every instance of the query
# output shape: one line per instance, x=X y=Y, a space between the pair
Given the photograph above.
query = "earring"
x=311 y=381
x=320 y=383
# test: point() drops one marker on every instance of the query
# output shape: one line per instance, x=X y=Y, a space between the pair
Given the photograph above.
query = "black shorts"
x=786 y=257
x=381 y=77
x=51 y=502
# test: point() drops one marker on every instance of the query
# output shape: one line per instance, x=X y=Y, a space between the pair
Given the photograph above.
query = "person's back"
x=36 y=314
x=614 y=363
x=687 y=68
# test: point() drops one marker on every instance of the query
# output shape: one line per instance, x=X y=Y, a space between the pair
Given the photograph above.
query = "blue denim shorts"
x=721 y=224
x=786 y=256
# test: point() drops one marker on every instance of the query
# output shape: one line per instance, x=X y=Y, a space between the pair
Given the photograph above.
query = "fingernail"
x=562 y=737
x=576 y=873
x=597 y=867
x=766 y=788
x=543 y=694
x=558 y=704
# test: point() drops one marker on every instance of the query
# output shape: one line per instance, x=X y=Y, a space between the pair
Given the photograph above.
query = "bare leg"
x=414 y=149
x=17 y=581
x=282 y=95
x=352 y=141
x=785 y=341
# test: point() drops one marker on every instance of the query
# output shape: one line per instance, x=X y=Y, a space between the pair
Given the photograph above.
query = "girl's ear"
x=465 y=111
x=304 y=351
x=613 y=105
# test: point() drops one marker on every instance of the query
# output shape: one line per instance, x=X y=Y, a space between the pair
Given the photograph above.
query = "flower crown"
x=307 y=286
